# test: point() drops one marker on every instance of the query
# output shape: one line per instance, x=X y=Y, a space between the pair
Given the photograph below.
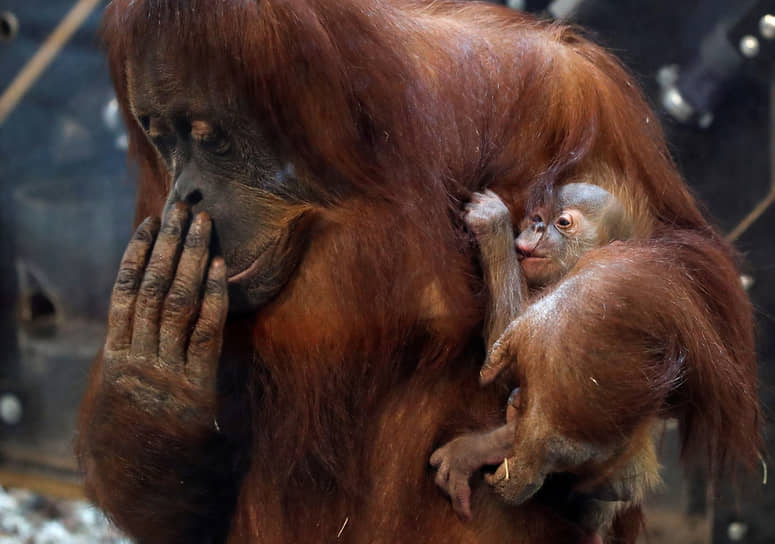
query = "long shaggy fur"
x=339 y=390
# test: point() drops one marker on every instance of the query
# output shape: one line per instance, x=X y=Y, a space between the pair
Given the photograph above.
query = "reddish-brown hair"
x=397 y=111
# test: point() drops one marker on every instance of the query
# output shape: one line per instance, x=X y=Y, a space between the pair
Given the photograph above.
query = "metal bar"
x=769 y=198
x=35 y=67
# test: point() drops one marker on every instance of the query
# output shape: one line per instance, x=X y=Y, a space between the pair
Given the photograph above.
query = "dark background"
x=66 y=207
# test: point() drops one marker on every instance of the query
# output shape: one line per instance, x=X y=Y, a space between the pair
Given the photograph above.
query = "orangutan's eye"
x=565 y=221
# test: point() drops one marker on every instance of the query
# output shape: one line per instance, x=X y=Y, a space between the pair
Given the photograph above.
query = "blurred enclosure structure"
x=66 y=203
x=65 y=214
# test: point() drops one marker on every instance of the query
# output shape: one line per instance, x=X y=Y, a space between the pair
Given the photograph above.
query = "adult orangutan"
x=323 y=149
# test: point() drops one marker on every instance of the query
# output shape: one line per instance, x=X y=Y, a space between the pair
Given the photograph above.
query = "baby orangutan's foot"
x=459 y=459
x=453 y=471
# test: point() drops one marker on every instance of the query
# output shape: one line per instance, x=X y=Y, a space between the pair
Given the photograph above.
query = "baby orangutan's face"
x=551 y=242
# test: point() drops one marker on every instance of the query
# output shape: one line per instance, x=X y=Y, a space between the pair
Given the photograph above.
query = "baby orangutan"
x=551 y=242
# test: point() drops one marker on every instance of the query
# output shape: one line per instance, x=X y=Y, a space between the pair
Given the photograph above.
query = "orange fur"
x=396 y=111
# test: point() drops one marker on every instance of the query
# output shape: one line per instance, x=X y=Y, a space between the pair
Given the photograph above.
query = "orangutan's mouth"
x=252 y=269
x=247 y=273
x=531 y=259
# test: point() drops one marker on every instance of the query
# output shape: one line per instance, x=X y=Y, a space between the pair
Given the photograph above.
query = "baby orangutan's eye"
x=565 y=221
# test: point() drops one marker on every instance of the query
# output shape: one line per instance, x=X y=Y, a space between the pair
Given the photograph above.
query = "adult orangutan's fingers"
x=156 y=281
x=130 y=272
x=182 y=302
x=204 y=347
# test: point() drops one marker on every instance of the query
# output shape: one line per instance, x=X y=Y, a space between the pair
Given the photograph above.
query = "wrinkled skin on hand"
x=167 y=315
